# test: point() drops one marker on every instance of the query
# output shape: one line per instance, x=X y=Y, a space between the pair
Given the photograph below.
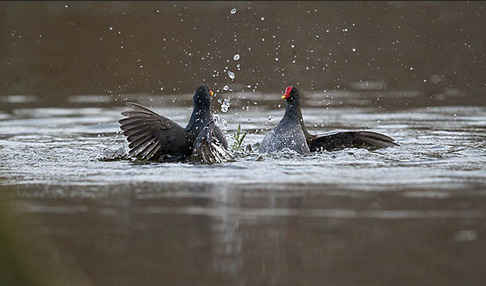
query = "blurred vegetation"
x=28 y=258
x=14 y=270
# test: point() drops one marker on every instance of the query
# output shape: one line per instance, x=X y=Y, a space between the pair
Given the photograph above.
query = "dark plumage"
x=291 y=133
x=155 y=137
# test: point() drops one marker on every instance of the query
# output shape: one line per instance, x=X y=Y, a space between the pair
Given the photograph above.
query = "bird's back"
x=288 y=134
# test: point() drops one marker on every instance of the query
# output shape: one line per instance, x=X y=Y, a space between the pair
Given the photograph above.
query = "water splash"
x=225 y=105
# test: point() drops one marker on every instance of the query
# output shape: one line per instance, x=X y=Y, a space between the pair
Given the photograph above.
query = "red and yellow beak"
x=287 y=92
x=211 y=92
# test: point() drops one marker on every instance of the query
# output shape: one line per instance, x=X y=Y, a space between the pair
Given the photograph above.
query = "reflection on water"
x=408 y=215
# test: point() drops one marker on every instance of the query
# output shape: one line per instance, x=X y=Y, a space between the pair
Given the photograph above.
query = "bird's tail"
x=208 y=149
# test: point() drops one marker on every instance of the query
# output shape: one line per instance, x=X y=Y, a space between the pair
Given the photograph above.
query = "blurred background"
x=61 y=48
x=410 y=215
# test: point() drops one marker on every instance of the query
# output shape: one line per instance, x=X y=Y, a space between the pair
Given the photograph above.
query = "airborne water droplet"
x=231 y=75
x=233 y=11
x=225 y=105
x=236 y=57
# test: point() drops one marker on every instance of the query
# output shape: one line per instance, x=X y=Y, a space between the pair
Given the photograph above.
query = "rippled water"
x=390 y=216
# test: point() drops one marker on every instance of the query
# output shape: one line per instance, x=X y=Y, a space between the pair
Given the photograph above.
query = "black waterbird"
x=155 y=137
x=291 y=133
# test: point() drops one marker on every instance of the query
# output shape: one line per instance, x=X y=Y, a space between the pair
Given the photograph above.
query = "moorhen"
x=291 y=133
x=155 y=137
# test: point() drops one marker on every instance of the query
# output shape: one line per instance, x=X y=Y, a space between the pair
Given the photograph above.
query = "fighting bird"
x=154 y=137
x=291 y=133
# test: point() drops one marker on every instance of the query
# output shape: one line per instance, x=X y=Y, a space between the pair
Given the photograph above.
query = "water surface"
x=407 y=215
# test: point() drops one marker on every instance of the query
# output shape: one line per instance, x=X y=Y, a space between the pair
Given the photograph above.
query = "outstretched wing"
x=209 y=147
x=350 y=139
x=150 y=134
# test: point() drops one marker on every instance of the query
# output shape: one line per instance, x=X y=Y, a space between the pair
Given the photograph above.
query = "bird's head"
x=202 y=97
x=291 y=94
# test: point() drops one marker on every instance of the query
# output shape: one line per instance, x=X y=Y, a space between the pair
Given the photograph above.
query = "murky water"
x=408 y=215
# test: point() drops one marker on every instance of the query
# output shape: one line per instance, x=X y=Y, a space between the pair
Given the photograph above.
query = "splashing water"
x=225 y=105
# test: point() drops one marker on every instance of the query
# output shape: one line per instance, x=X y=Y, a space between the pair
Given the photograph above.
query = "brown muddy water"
x=408 y=215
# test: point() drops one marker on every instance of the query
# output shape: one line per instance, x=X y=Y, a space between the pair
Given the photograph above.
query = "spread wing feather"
x=350 y=139
x=150 y=134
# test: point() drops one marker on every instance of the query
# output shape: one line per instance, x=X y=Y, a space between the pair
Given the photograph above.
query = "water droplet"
x=226 y=88
x=354 y=49
x=231 y=75
x=236 y=57
x=225 y=105
x=269 y=117
x=292 y=46
x=276 y=59
x=412 y=68
x=110 y=28
x=233 y=11
x=262 y=18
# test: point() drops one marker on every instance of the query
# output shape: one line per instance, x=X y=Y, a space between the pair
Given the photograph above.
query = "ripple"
x=63 y=146
x=319 y=213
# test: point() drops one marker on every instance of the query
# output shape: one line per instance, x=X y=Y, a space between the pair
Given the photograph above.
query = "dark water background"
x=63 y=48
x=408 y=215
